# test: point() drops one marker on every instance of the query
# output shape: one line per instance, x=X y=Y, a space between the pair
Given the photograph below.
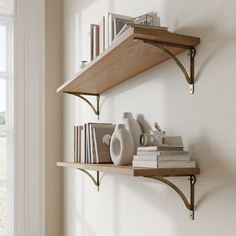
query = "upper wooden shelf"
x=127 y=56
x=132 y=171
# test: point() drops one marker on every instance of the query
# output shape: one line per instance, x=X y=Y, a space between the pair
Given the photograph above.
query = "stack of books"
x=169 y=156
x=91 y=143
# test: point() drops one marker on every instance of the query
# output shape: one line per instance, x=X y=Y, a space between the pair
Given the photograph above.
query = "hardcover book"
x=102 y=134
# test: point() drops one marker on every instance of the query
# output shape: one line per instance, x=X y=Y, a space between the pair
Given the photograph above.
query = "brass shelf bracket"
x=96 y=109
x=188 y=204
x=192 y=52
x=95 y=181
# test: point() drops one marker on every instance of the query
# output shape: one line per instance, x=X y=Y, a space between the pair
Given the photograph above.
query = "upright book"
x=102 y=134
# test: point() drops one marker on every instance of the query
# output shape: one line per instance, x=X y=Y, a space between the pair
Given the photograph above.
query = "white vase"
x=133 y=126
x=121 y=146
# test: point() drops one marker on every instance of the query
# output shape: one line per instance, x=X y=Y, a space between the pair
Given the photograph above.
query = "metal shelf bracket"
x=96 y=109
x=95 y=181
x=192 y=52
x=188 y=204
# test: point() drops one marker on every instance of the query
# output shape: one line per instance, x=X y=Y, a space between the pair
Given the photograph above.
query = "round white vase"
x=121 y=146
x=133 y=126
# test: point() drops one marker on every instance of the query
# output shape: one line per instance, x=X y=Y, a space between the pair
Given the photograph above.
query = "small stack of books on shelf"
x=91 y=142
x=166 y=156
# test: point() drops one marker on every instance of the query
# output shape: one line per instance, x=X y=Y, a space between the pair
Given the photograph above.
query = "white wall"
x=133 y=206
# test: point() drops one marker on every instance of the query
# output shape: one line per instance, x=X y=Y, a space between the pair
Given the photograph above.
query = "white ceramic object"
x=121 y=146
x=133 y=126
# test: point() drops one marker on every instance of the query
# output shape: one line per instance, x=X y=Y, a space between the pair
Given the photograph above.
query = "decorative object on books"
x=83 y=64
x=133 y=126
x=156 y=137
x=121 y=146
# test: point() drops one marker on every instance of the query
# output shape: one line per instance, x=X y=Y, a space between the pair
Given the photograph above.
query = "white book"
x=163 y=148
x=145 y=158
x=148 y=153
x=148 y=164
x=115 y=25
x=82 y=147
x=148 y=148
x=102 y=27
x=176 y=164
x=80 y=143
x=164 y=164
x=162 y=157
x=155 y=153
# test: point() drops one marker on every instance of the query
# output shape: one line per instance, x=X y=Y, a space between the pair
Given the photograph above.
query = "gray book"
x=102 y=134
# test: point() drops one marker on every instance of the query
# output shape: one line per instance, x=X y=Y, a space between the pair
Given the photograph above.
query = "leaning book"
x=102 y=135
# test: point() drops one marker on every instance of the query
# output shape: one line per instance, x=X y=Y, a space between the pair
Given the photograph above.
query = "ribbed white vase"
x=133 y=126
x=121 y=146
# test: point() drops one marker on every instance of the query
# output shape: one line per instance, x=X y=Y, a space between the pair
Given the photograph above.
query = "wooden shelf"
x=152 y=173
x=127 y=56
x=129 y=170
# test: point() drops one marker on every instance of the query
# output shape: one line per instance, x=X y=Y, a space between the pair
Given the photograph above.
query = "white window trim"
x=8 y=127
x=30 y=117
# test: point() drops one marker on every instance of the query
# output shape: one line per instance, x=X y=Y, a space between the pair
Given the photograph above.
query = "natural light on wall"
x=6 y=119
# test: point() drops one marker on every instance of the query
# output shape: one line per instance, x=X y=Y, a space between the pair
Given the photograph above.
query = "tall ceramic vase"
x=121 y=146
x=133 y=126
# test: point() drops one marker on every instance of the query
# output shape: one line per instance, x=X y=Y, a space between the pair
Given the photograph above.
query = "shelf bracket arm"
x=96 y=180
x=96 y=109
x=189 y=205
x=192 y=53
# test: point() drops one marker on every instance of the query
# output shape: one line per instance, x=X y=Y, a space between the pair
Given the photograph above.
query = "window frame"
x=7 y=128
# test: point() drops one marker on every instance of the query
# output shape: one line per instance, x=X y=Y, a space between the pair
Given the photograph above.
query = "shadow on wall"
x=214 y=167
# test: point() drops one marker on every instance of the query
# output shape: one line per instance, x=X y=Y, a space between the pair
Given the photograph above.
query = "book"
x=162 y=148
x=162 y=157
x=163 y=152
x=115 y=24
x=94 y=41
x=85 y=144
x=150 y=164
x=147 y=148
x=102 y=134
x=91 y=125
x=176 y=164
x=76 y=130
x=164 y=164
x=80 y=128
x=102 y=26
x=82 y=141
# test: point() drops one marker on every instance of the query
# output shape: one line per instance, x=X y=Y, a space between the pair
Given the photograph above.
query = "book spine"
x=148 y=148
x=80 y=143
x=144 y=164
x=176 y=164
x=162 y=158
x=145 y=158
x=75 y=144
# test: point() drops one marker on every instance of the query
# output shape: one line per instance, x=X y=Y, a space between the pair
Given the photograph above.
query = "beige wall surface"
x=53 y=118
x=127 y=206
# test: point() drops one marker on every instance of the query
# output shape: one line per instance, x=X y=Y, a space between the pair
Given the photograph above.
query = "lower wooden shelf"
x=132 y=171
x=152 y=173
